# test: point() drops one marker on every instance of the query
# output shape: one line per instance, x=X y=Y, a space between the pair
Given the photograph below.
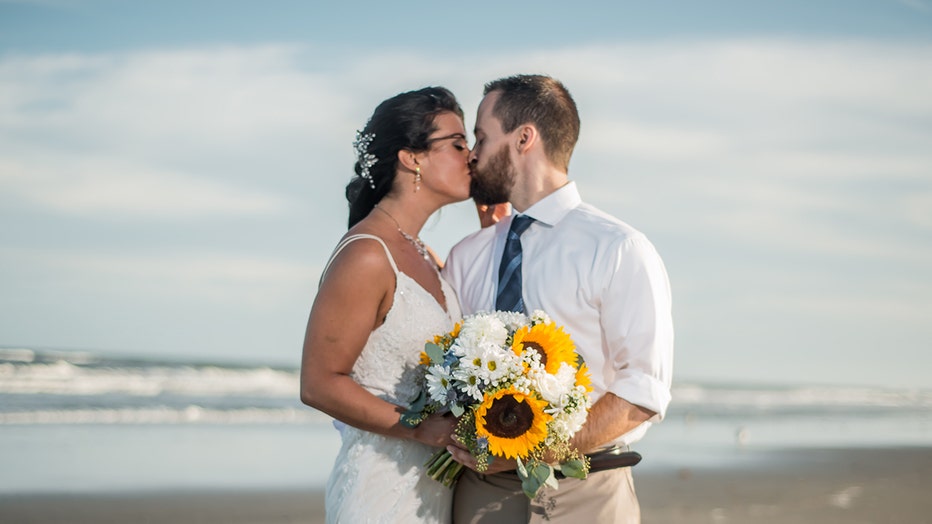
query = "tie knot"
x=520 y=223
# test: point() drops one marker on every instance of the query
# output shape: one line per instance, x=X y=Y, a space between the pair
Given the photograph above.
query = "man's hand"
x=489 y=215
x=496 y=465
x=436 y=431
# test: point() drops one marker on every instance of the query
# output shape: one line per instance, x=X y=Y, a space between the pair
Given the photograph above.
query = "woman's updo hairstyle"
x=404 y=121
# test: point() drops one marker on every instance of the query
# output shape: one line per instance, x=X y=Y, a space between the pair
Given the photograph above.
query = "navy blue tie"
x=509 y=297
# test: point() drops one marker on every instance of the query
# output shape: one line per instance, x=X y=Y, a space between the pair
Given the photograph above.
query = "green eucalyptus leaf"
x=434 y=352
x=457 y=410
x=574 y=468
x=529 y=483
x=552 y=479
x=543 y=474
x=410 y=419
x=530 y=486
x=418 y=403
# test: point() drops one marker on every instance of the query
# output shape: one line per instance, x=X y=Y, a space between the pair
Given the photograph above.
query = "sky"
x=172 y=173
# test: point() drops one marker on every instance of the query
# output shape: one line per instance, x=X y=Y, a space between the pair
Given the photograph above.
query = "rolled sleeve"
x=637 y=326
x=642 y=390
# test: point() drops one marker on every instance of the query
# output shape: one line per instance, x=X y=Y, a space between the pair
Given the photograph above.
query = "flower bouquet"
x=519 y=389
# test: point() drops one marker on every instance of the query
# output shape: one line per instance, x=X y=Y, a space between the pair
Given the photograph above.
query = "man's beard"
x=492 y=184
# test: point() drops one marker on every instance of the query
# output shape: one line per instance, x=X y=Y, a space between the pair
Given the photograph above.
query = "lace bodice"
x=386 y=366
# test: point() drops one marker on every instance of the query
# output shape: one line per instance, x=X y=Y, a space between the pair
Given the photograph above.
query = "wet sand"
x=822 y=486
x=797 y=487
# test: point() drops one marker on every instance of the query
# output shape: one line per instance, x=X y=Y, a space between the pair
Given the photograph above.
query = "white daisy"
x=438 y=383
x=495 y=364
x=468 y=381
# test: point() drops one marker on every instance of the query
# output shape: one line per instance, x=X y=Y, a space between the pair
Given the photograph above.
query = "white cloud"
x=109 y=187
x=651 y=142
x=226 y=96
x=815 y=150
x=171 y=134
x=918 y=208
x=199 y=276
x=778 y=143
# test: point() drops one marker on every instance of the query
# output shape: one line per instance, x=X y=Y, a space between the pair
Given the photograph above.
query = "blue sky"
x=171 y=173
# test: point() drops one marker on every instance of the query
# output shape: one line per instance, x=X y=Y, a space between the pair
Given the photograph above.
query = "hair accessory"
x=417 y=179
x=363 y=156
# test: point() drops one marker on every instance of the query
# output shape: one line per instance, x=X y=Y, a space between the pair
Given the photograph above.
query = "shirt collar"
x=552 y=208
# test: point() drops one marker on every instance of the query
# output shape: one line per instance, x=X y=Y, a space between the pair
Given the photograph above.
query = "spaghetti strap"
x=346 y=241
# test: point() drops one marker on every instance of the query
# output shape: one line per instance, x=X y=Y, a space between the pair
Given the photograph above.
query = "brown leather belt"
x=611 y=458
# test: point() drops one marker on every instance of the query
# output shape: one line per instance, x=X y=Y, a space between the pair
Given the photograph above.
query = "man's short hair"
x=544 y=102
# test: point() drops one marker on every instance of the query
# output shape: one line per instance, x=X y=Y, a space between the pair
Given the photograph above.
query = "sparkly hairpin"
x=363 y=156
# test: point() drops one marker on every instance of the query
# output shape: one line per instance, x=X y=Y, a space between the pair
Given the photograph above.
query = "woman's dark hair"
x=404 y=121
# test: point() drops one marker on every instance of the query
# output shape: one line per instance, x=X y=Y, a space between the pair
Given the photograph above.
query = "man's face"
x=493 y=179
x=493 y=173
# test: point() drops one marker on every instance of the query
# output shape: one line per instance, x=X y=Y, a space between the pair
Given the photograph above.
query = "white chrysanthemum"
x=480 y=329
x=512 y=320
x=438 y=383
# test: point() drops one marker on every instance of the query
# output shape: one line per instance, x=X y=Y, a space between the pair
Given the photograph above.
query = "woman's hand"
x=436 y=431
x=496 y=465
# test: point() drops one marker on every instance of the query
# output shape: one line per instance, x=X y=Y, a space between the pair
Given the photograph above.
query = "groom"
x=593 y=274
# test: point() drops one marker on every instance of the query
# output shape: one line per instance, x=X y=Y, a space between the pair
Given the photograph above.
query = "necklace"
x=415 y=241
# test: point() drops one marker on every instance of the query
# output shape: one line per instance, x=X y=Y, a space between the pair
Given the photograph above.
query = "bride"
x=380 y=298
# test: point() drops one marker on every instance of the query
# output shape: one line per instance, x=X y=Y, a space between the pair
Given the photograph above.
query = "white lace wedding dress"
x=380 y=479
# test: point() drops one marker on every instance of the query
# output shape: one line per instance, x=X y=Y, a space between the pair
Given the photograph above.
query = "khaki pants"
x=605 y=497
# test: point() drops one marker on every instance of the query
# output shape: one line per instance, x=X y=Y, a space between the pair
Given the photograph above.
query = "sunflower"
x=446 y=339
x=514 y=423
x=551 y=342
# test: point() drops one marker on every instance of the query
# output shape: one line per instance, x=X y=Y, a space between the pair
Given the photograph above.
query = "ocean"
x=79 y=422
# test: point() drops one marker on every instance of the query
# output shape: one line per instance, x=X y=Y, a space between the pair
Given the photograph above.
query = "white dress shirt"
x=599 y=278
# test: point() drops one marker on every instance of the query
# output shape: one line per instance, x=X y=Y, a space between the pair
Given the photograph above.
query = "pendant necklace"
x=416 y=242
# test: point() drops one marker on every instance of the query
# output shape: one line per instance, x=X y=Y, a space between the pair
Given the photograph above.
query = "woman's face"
x=444 y=167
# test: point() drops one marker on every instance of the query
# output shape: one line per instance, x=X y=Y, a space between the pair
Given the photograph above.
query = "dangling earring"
x=417 y=179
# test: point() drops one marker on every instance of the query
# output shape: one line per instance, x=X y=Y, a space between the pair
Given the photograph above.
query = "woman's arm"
x=353 y=299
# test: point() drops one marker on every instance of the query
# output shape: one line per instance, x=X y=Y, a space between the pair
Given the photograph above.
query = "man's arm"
x=637 y=325
x=609 y=418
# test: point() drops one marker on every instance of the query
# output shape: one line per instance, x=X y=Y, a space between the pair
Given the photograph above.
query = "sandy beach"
x=796 y=487
x=792 y=486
